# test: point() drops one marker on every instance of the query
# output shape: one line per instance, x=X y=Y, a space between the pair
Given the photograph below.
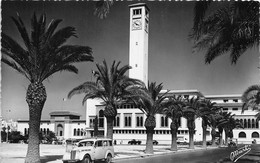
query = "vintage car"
x=134 y=142
x=89 y=150
x=155 y=142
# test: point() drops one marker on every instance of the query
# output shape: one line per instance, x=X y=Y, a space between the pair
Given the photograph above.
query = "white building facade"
x=64 y=124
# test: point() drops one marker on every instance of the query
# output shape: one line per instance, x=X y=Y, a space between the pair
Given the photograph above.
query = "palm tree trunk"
x=226 y=137
x=149 y=124
x=110 y=113
x=191 y=133
x=35 y=97
x=149 y=141
x=191 y=127
x=204 y=130
x=174 y=130
x=220 y=136
x=213 y=136
x=110 y=122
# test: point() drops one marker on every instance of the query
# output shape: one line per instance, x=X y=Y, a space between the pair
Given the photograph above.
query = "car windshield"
x=86 y=143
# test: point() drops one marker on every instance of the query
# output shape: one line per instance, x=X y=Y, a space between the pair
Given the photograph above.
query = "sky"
x=170 y=62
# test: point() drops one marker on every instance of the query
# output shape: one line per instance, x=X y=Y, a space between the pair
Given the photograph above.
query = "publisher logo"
x=237 y=154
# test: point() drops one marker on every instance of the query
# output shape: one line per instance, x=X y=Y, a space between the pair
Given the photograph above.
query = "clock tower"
x=138 y=48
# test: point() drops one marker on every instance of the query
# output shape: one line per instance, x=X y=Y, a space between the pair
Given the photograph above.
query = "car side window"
x=105 y=143
x=110 y=143
x=98 y=144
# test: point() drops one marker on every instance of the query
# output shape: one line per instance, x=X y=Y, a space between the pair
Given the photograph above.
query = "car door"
x=99 y=150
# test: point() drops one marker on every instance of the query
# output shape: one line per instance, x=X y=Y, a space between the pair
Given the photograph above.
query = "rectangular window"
x=225 y=100
x=147 y=13
x=225 y=109
x=91 y=121
x=137 y=12
x=235 y=100
x=234 y=108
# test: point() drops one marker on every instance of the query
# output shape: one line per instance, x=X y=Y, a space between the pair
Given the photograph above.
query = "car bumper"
x=70 y=161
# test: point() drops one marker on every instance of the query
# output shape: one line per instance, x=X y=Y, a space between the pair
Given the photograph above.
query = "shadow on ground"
x=48 y=158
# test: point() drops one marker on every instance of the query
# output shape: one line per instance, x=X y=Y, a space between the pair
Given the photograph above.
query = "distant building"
x=12 y=125
x=64 y=124
x=233 y=104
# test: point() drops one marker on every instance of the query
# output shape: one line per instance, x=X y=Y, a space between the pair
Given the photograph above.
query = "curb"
x=161 y=154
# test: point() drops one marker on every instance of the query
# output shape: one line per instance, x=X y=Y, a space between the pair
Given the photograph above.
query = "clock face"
x=137 y=24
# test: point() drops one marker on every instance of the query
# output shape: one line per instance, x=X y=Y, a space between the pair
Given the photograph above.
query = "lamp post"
x=7 y=126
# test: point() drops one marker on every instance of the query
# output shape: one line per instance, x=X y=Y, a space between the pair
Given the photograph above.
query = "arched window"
x=179 y=121
x=101 y=113
x=255 y=135
x=44 y=131
x=249 y=123
x=41 y=130
x=245 y=123
x=75 y=132
x=242 y=135
x=81 y=132
x=117 y=121
x=256 y=124
x=126 y=121
x=253 y=123
x=59 y=130
x=129 y=121
x=48 y=131
x=137 y=122
x=78 y=132
x=241 y=121
x=162 y=121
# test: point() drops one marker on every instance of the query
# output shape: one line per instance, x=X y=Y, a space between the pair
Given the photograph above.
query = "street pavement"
x=15 y=153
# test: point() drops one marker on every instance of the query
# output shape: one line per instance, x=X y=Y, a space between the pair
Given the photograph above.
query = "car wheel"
x=109 y=158
x=86 y=159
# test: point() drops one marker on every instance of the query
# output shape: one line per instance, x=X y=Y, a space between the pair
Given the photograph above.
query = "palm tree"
x=221 y=122
x=150 y=102
x=205 y=112
x=110 y=87
x=213 y=123
x=232 y=27
x=191 y=108
x=43 y=55
x=174 y=112
x=251 y=97
x=228 y=123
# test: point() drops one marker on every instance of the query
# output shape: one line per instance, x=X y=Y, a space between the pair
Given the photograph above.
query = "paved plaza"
x=15 y=153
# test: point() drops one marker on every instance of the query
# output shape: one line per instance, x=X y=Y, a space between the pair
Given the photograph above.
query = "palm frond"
x=102 y=8
x=15 y=66
x=83 y=88
x=61 y=36
x=23 y=32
